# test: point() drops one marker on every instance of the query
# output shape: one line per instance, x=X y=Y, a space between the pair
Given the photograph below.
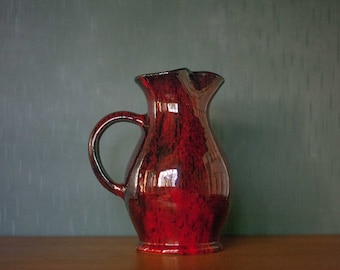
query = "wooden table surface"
x=274 y=252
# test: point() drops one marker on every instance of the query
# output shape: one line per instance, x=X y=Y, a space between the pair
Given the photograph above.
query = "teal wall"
x=65 y=64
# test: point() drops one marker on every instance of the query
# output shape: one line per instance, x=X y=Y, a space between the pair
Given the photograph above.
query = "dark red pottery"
x=177 y=184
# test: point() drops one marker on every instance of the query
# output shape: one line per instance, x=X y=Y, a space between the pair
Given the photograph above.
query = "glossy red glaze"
x=171 y=220
x=177 y=183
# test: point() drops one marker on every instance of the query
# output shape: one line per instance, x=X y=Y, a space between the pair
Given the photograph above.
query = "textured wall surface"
x=65 y=64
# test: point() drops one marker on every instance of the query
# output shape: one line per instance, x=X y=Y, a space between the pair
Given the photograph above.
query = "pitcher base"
x=193 y=249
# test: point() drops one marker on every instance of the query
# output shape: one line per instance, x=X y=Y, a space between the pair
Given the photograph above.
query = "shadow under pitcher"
x=177 y=183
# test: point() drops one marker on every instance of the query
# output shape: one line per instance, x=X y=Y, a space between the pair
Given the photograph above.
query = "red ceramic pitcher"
x=177 y=184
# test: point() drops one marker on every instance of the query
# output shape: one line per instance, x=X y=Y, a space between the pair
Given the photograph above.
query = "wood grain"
x=281 y=252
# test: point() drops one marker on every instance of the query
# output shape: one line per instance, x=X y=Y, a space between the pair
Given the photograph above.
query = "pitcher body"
x=177 y=184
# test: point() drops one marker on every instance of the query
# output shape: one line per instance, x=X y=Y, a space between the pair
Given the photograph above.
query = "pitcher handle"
x=93 y=147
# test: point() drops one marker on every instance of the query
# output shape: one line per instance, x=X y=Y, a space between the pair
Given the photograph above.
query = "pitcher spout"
x=206 y=81
x=203 y=81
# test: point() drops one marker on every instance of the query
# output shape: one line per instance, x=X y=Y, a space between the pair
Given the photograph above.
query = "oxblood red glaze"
x=177 y=184
x=187 y=222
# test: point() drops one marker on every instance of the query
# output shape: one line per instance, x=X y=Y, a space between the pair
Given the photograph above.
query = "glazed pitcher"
x=177 y=183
